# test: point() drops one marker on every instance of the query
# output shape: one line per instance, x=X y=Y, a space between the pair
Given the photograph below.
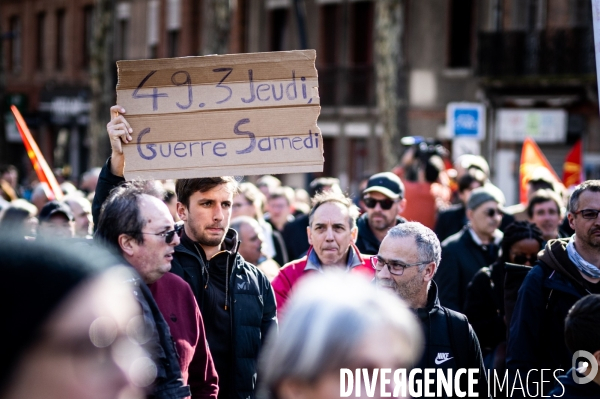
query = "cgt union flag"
x=573 y=166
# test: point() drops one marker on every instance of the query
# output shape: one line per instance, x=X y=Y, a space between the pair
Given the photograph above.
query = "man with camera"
x=384 y=200
x=423 y=172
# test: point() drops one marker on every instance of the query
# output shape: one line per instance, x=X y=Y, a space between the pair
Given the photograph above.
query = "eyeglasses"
x=385 y=204
x=521 y=259
x=493 y=212
x=588 y=213
x=168 y=235
x=394 y=267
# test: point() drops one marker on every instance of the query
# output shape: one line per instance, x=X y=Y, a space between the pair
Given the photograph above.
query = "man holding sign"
x=235 y=298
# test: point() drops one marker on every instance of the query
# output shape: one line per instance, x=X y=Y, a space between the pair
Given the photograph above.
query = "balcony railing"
x=347 y=86
x=548 y=52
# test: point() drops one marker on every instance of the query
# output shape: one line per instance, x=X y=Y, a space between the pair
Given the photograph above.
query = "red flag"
x=532 y=159
x=573 y=166
x=43 y=171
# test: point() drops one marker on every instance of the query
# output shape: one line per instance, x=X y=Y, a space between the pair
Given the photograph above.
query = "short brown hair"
x=185 y=188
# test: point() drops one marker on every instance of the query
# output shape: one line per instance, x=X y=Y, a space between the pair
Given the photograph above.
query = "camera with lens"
x=428 y=154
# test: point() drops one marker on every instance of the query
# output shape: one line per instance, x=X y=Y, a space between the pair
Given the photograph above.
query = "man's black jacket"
x=366 y=242
x=251 y=303
x=450 y=342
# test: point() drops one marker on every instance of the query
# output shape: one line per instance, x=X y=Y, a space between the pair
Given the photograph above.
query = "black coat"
x=461 y=259
x=484 y=306
x=251 y=316
x=366 y=242
x=461 y=350
x=450 y=221
x=536 y=331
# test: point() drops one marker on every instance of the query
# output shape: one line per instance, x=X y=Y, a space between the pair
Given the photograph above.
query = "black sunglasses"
x=385 y=204
x=169 y=235
x=521 y=259
x=493 y=212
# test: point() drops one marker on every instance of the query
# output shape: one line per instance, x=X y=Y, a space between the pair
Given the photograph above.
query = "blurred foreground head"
x=69 y=323
x=336 y=320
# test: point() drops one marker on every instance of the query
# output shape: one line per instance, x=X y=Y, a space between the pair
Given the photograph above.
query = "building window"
x=60 y=39
x=40 y=31
x=88 y=34
x=461 y=23
x=360 y=75
x=173 y=43
x=152 y=22
x=278 y=22
x=330 y=34
x=122 y=30
x=14 y=45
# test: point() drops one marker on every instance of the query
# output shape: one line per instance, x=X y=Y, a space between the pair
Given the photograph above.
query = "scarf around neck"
x=584 y=266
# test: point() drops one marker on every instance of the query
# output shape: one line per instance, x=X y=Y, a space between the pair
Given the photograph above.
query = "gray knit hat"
x=483 y=194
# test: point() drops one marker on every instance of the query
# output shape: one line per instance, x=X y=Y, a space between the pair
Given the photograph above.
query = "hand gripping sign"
x=237 y=114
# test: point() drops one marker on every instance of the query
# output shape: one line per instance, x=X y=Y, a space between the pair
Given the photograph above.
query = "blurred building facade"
x=523 y=55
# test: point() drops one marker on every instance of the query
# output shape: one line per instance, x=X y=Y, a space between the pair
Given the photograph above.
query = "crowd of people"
x=222 y=288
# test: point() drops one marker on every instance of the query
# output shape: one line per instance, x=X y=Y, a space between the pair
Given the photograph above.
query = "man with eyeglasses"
x=567 y=270
x=236 y=299
x=331 y=233
x=137 y=224
x=383 y=198
x=472 y=248
x=408 y=258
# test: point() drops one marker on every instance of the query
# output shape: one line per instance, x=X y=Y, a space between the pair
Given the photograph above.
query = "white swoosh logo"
x=438 y=362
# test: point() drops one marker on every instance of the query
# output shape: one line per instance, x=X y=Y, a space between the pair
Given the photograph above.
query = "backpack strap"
x=458 y=327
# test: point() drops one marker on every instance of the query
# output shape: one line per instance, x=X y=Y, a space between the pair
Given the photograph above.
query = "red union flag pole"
x=38 y=161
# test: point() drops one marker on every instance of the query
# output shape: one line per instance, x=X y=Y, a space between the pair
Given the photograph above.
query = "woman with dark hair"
x=70 y=325
x=18 y=220
x=484 y=305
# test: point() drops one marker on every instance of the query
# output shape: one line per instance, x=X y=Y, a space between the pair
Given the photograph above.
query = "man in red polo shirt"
x=331 y=233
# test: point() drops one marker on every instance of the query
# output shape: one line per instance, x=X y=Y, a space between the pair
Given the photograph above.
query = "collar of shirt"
x=313 y=262
x=497 y=237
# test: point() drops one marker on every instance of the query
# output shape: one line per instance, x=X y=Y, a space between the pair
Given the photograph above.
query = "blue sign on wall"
x=466 y=120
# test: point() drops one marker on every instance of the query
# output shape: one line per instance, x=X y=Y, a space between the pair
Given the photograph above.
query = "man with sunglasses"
x=408 y=259
x=136 y=223
x=383 y=198
x=236 y=300
x=567 y=270
x=472 y=248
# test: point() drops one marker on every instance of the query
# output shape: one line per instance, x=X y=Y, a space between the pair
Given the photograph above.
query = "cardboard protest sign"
x=237 y=114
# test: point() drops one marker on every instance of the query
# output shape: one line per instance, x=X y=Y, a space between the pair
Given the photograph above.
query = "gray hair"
x=239 y=221
x=428 y=245
x=327 y=319
x=588 y=185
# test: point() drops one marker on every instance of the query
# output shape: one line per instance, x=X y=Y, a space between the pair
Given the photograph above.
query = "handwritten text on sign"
x=218 y=115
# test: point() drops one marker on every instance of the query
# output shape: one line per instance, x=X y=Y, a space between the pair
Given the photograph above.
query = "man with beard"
x=408 y=259
x=568 y=269
x=384 y=201
x=472 y=248
x=236 y=299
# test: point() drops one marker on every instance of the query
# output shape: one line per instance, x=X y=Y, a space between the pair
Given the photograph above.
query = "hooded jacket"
x=366 y=242
x=536 y=332
x=444 y=349
x=237 y=314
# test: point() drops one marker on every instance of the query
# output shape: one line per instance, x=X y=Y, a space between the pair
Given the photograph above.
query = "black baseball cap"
x=55 y=207
x=386 y=183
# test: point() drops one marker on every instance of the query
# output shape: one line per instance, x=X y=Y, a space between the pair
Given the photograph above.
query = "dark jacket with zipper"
x=536 y=333
x=238 y=306
x=450 y=343
x=366 y=242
